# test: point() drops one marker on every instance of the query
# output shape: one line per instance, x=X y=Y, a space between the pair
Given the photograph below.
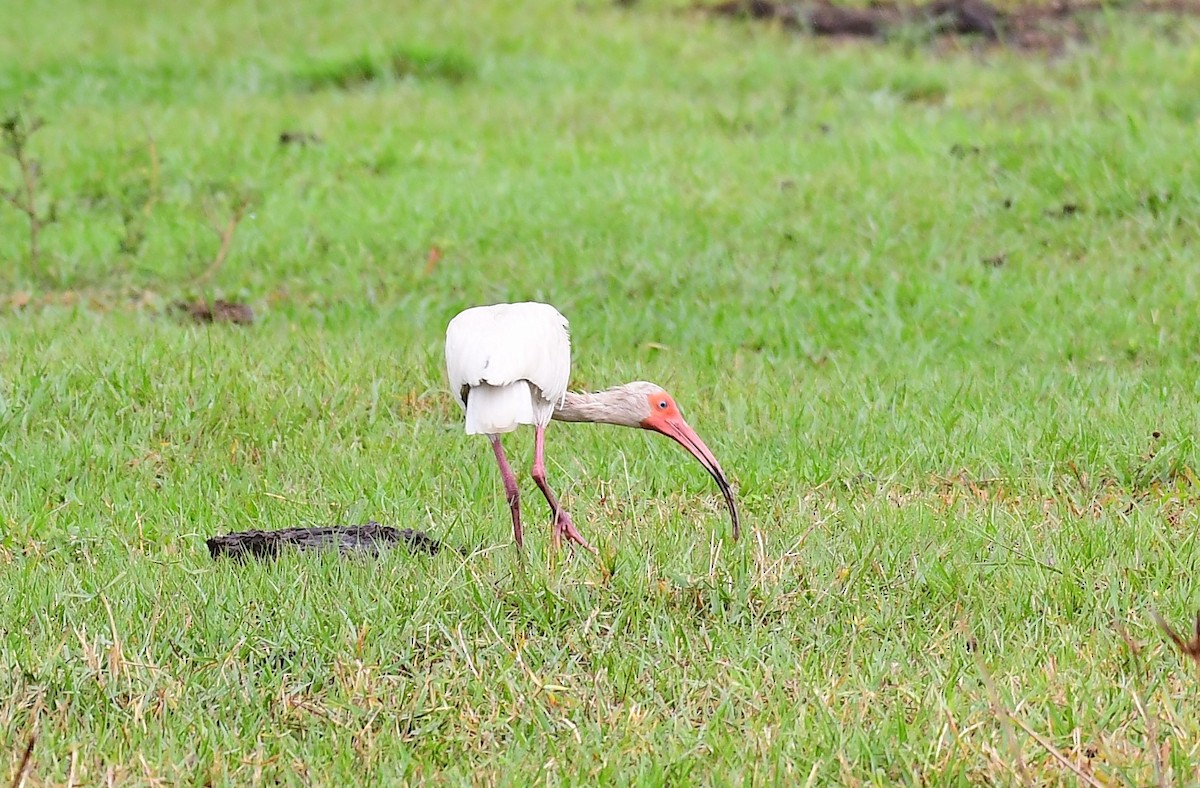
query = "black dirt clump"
x=348 y=539
x=301 y=138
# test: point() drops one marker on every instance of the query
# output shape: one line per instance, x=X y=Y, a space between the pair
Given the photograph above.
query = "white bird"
x=509 y=364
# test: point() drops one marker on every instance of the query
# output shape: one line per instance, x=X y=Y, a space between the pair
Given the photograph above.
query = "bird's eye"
x=662 y=404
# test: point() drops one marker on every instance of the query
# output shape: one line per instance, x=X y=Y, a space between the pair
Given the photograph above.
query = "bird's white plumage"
x=513 y=359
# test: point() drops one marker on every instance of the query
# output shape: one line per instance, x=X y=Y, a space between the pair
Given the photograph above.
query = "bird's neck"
x=600 y=407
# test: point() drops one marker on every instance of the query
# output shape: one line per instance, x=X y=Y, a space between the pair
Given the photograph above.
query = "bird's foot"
x=565 y=527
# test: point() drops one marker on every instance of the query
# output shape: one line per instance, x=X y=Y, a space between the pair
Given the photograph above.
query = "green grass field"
x=960 y=418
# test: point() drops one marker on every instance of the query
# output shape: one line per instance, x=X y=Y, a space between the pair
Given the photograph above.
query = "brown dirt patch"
x=218 y=311
x=1037 y=27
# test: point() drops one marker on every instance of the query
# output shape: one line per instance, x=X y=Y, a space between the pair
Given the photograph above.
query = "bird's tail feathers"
x=492 y=410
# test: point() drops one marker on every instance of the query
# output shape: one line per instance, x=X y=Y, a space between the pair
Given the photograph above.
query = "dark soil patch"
x=1064 y=211
x=348 y=539
x=301 y=138
x=218 y=311
x=1045 y=26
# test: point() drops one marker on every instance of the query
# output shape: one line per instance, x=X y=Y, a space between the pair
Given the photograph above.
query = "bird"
x=509 y=365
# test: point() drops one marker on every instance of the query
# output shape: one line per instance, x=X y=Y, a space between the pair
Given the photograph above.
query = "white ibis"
x=508 y=364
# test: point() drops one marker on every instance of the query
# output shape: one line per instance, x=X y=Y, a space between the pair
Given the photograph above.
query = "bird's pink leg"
x=511 y=491
x=563 y=525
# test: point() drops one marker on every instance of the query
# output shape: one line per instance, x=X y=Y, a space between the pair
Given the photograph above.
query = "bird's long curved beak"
x=678 y=430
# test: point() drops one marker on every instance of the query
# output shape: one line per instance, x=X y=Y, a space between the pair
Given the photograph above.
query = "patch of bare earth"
x=1045 y=26
x=218 y=311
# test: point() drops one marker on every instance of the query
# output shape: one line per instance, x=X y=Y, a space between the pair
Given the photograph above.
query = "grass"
x=960 y=419
x=399 y=64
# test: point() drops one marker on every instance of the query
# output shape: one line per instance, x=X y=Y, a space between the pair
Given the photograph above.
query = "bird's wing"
x=504 y=343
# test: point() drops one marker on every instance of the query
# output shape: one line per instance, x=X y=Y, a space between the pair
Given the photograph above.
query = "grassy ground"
x=960 y=417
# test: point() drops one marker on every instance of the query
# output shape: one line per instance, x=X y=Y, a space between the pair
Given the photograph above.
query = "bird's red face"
x=666 y=419
x=662 y=410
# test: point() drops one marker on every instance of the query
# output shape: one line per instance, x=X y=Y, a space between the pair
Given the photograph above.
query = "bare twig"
x=1058 y=756
x=226 y=235
x=1135 y=650
x=26 y=757
x=1160 y=775
x=1187 y=648
x=16 y=131
x=1002 y=714
x=1015 y=551
x=432 y=259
